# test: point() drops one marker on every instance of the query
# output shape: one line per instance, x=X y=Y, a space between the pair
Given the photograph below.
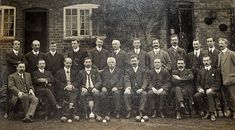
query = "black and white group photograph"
x=117 y=64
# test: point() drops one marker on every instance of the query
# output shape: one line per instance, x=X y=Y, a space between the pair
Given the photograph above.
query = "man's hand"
x=139 y=90
x=176 y=77
x=69 y=87
x=127 y=90
x=159 y=91
x=95 y=91
x=84 y=90
x=104 y=89
x=20 y=95
x=114 y=89
x=209 y=91
x=154 y=90
x=200 y=90
x=31 y=92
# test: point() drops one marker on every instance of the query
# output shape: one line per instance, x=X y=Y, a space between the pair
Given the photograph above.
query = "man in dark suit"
x=112 y=84
x=77 y=56
x=175 y=52
x=120 y=55
x=182 y=84
x=12 y=59
x=33 y=57
x=158 y=53
x=43 y=81
x=90 y=83
x=226 y=65
x=141 y=54
x=54 y=60
x=67 y=90
x=159 y=85
x=99 y=55
x=135 y=86
x=20 y=85
x=194 y=59
x=212 y=52
x=208 y=82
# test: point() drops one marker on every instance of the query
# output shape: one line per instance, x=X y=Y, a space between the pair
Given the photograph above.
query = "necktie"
x=22 y=76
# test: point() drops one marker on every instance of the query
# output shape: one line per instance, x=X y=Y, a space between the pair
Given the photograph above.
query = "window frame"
x=3 y=8
x=79 y=7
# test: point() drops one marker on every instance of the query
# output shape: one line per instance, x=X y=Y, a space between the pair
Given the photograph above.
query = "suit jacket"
x=121 y=59
x=226 y=64
x=54 y=63
x=193 y=62
x=99 y=58
x=114 y=79
x=175 y=55
x=47 y=75
x=208 y=79
x=164 y=56
x=95 y=78
x=78 y=59
x=61 y=80
x=136 y=80
x=32 y=61
x=213 y=57
x=143 y=58
x=12 y=61
x=16 y=84
x=186 y=77
x=159 y=80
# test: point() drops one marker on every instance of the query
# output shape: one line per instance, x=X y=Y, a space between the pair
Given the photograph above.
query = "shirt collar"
x=76 y=50
x=52 y=53
x=156 y=50
x=35 y=53
x=181 y=69
x=196 y=51
x=175 y=47
x=111 y=70
x=16 y=52
x=224 y=50
x=66 y=69
x=117 y=51
x=41 y=70
x=208 y=67
x=158 y=70
x=135 y=68
x=137 y=50
x=98 y=48
x=212 y=49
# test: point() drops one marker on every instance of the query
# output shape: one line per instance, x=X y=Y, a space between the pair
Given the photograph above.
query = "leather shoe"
x=206 y=116
x=46 y=118
x=27 y=120
x=154 y=114
x=178 y=116
x=213 y=117
x=233 y=115
x=162 y=115
x=117 y=116
x=128 y=115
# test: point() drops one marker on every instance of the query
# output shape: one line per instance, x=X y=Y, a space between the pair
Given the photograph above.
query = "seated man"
x=159 y=84
x=182 y=84
x=112 y=78
x=135 y=82
x=208 y=82
x=20 y=85
x=43 y=82
x=90 y=82
x=67 y=90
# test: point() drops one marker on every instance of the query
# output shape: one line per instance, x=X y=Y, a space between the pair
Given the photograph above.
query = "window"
x=7 y=21
x=77 y=21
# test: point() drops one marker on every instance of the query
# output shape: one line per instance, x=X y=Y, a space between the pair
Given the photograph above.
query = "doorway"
x=36 y=28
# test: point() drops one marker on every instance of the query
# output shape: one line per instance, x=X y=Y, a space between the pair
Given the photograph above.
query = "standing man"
x=20 y=85
x=158 y=53
x=194 y=59
x=226 y=65
x=99 y=55
x=141 y=54
x=208 y=82
x=212 y=52
x=54 y=60
x=112 y=79
x=33 y=57
x=182 y=84
x=159 y=85
x=175 y=52
x=77 y=56
x=90 y=83
x=67 y=90
x=43 y=81
x=120 y=55
x=136 y=82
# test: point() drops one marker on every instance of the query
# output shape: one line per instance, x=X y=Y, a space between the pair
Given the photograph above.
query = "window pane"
x=11 y=12
x=82 y=32
x=86 y=12
x=75 y=33
x=68 y=33
x=81 y=12
x=68 y=11
x=74 y=12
